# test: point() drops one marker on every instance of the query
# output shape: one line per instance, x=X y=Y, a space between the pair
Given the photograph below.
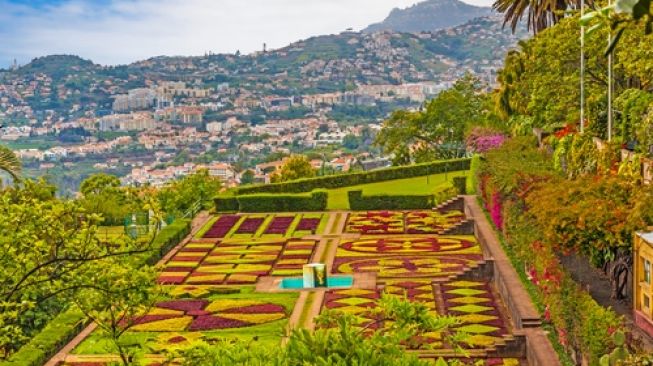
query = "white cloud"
x=123 y=31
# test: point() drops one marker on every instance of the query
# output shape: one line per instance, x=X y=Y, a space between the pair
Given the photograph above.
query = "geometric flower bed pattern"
x=236 y=261
x=376 y=222
x=402 y=222
x=474 y=303
x=250 y=225
x=408 y=257
x=431 y=222
x=201 y=315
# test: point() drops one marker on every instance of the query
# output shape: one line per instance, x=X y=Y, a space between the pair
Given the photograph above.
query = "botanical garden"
x=513 y=229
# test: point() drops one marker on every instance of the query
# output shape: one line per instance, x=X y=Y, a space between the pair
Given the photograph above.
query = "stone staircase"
x=457 y=203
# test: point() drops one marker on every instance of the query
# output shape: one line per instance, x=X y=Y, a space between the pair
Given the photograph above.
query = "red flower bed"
x=250 y=225
x=222 y=226
x=209 y=322
x=257 y=309
x=308 y=224
x=184 y=305
x=279 y=225
x=177 y=339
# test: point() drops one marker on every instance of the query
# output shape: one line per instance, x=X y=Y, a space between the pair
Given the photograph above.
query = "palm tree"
x=9 y=163
x=541 y=13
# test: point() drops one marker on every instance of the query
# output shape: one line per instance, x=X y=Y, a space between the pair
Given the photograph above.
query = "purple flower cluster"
x=184 y=305
x=222 y=226
x=308 y=224
x=257 y=309
x=487 y=143
x=279 y=225
x=484 y=139
x=250 y=225
x=208 y=322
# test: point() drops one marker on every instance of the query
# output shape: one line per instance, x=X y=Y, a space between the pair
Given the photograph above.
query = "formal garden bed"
x=201 y=313
x=402 y=222
x=247 y=226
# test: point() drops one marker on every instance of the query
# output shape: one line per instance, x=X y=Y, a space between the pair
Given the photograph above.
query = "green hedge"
x=352 y=179
x=460 y=184
x=167 y=239
x=359 y=202
x=226 y=203
x=59 y=331
x=314 y=201
x=69 y=323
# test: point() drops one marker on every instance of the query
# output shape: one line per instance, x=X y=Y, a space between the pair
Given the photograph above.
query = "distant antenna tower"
x=265 y=47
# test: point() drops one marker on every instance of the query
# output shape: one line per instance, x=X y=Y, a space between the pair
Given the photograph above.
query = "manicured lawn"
x=338 y=199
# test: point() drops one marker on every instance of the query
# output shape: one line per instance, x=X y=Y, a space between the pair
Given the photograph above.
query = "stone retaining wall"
x=539 y=350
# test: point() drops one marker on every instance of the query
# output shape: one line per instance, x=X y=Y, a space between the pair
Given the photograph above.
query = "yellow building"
x=643 y=291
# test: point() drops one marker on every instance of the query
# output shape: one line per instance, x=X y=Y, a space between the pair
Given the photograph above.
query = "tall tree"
x=9 y=162
x=438 y=131
x=541 y=14
x=296 y=167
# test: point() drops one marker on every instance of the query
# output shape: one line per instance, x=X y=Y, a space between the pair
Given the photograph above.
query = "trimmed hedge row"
x=59 y=331
x=358 y=202
x=226 y=204
x=352 y=179
x=65 y=326
x=167 y=239
x=314 y=201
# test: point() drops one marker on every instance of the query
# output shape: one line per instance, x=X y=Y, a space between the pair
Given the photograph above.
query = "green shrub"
x=167 y=239
x=69 y=323
x=445 y=195
x=460 y=184
x=472 y=181
x=53 y=337
x=359 y=202
x=352 y=179
x=226 y=203
x=314 y=201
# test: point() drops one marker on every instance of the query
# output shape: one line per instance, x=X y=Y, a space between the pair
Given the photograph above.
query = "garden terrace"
x=212 y=280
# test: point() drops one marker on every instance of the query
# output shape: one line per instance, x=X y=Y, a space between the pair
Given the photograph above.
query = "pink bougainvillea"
x=495 y=210
x=481 y=140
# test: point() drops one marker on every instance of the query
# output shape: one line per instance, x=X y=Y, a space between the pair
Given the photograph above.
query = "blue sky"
x=123 y=31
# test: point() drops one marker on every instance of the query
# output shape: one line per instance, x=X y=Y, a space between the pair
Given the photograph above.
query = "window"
x=647 y=271
x=647 y=302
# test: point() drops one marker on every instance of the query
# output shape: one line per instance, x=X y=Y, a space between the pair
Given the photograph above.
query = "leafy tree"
x=9 y=163
x=103 y=195
x=50 y=250
x=297 y=166
x=99 y=183
x=180 y=196
x=119 y=296
x=541 y=14
x=351 y=142
x=247 y=177
x=438 y=131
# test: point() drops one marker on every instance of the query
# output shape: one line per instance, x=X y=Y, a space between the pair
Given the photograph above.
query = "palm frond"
x=10 y=163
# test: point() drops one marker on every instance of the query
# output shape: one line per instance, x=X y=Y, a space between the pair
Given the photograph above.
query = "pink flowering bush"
x=481 y=140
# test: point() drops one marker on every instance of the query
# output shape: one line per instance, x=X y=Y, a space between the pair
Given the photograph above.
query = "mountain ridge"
x=430 y=15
